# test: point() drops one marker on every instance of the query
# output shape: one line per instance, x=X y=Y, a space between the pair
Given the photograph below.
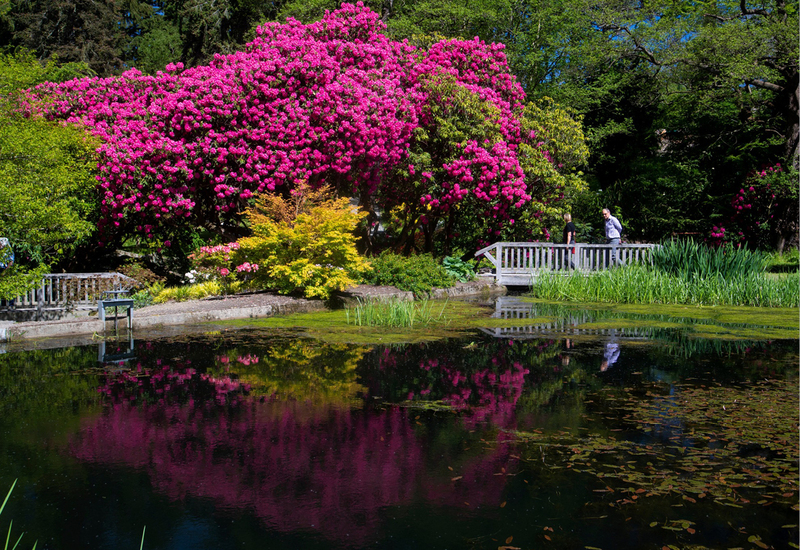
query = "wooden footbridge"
x=518 y=263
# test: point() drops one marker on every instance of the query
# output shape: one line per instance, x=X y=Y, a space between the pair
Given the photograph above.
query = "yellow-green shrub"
x=313 y=253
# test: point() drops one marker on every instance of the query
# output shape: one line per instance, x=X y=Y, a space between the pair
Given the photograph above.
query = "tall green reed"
x=643 y=285
x=11 y=523
x=687 y=257
x=395 y=313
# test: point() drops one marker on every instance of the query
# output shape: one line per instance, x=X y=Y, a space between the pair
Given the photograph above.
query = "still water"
x=523 y=437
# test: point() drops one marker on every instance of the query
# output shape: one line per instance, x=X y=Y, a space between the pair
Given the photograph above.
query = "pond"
x=587 y=430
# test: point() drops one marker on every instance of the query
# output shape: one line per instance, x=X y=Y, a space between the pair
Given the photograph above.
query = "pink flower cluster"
x=753 y=207
x=247 y=267
x=334 y=101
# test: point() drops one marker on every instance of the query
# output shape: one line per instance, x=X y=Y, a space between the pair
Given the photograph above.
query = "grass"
x=645 y=285
x=396 y=313
x=687 y=258
x=11 y=524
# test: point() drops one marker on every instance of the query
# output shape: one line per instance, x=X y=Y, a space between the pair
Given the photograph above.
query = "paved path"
x=193 y=312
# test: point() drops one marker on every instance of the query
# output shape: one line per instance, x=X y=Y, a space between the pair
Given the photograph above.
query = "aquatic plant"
x=396 y=313
x=11 y=524
x=643 y=285
x=688 y=258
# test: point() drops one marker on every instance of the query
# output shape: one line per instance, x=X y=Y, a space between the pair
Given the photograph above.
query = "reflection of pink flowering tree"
x=485 y=384
x=295 y=465
x=330 y=102
x=171 y=384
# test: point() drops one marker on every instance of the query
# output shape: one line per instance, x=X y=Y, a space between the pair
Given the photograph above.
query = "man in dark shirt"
x=569 y=238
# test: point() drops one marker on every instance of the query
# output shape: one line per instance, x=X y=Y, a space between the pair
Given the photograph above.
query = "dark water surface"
x=535 y=439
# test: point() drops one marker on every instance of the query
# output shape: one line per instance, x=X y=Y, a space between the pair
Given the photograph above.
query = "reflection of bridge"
x=512 y=308
x=519 y=263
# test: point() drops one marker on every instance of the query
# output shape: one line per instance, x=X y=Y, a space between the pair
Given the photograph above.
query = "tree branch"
x=758 y=83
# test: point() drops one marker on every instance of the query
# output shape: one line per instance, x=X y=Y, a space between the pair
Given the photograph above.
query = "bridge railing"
x=65 y=292
x=516 y=262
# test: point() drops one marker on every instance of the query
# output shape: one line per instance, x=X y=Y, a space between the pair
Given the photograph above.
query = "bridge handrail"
x=514 y=260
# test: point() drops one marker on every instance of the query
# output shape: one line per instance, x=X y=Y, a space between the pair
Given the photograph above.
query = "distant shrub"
x=419 y=274
x=143 y=275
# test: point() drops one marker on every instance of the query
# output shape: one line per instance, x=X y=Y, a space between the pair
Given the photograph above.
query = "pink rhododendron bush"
x=436 y=131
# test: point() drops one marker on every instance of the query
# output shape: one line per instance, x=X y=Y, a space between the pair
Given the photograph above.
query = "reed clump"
x=396 y=313
x=681 y=273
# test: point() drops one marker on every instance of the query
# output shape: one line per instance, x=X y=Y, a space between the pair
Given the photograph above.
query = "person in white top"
x=613 y=233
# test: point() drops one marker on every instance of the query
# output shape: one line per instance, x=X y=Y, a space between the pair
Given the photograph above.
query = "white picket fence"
x=517 y=264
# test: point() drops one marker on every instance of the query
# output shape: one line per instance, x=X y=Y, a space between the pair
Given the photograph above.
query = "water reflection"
x=457 y=443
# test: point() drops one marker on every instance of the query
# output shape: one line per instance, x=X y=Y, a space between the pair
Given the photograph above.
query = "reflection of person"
x=610 y=356
x=565 y=355
x=6 y=254
x=569 y=238
x=613 y=233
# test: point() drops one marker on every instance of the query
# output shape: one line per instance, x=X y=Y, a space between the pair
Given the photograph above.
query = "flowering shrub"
x=334 y=101
x=765 y=211
x=212 y=262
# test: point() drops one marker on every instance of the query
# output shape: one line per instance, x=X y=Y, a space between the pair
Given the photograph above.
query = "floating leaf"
x=509 y=539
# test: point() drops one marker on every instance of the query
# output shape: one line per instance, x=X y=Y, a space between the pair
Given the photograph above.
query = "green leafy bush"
x=458 y=269
x=419 y=274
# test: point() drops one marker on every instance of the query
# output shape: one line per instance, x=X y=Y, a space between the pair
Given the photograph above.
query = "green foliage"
x=21 y=70
x=458 y=269
x=687 y=259
x=315 y=253
x=395 y=313
x=17 y=280
x=158 y=44
x=142 y=298
x=680 y=99
x=70 y=30
x=553 y=184
x=788 y=261
x=138 y=271
x=196 y=291
x=46 y=178
x=642 y=285
x=419 y=274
